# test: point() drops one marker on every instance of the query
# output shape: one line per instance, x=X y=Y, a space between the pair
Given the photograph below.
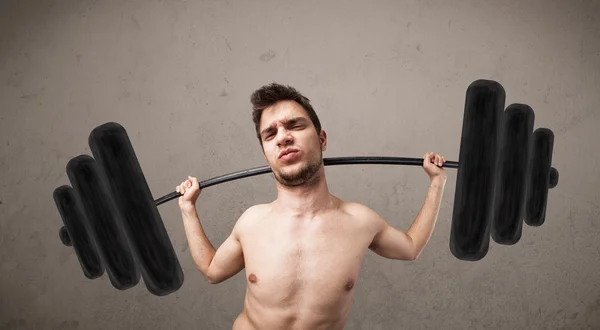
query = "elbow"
x=212 y=279
x=409 y=257
x=417 y=248
x=208 y=276
x=415 y=252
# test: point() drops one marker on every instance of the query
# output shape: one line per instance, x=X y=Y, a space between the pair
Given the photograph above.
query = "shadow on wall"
x=504 y=173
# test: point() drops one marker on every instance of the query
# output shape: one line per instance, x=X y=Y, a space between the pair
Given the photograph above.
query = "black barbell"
x=112 y=221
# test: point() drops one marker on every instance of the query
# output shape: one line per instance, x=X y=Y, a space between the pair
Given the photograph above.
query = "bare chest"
x=312 y=261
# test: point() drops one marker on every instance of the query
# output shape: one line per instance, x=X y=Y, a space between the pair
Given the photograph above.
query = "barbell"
x=112 y=221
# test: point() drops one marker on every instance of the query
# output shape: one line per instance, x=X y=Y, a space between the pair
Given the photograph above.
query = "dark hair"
x=270 y=94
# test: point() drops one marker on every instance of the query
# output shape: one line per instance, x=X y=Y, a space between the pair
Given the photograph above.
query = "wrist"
x=188 y=208
x=439 y=180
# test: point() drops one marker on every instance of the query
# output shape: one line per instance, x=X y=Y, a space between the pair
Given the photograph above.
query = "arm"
x=395 y=244
x=216 y=265
x=390 y=242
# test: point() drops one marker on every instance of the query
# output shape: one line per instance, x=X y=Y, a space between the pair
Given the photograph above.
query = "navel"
x=252 y=278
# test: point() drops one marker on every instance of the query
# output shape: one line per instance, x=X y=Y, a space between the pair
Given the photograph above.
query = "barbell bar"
x=359 y=160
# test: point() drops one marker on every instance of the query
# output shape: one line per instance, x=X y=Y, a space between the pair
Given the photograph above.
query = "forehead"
x=281 y=111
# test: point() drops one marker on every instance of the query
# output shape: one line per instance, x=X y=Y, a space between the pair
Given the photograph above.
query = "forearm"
x=200 y=247
x=422 y=227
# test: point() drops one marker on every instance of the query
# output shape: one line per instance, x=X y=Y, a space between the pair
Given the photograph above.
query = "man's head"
x=285 y=121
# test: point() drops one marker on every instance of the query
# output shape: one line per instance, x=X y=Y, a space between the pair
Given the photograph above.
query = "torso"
x=301 y=272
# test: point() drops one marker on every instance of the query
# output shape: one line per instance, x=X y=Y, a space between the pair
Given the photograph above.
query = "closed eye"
x=294 y=123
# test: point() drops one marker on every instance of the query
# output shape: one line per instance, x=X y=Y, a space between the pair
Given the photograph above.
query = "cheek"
x=270 y=153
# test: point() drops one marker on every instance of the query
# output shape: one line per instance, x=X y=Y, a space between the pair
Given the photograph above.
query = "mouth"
x=288 y=154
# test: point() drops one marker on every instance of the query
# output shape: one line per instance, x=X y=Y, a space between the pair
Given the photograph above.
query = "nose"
x=284 y=137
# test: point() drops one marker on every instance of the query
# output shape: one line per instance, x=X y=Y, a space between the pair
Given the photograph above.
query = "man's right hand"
x=190 y=190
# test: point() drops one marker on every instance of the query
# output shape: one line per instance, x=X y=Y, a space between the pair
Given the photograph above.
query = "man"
x=302 y=252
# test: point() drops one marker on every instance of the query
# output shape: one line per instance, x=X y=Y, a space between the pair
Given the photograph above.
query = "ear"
x=323 y=139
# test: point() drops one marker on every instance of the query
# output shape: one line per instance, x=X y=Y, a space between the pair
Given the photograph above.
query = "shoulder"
x=358 y=209
x=364 y=214
x=250 y=217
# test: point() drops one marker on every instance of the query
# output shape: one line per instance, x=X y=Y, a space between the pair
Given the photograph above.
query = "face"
x=286 y=127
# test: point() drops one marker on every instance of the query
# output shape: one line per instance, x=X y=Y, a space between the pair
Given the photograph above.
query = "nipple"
x=349 y=285
x=252 y=278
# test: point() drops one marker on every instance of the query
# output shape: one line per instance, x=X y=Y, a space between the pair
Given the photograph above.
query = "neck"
x=306 y=200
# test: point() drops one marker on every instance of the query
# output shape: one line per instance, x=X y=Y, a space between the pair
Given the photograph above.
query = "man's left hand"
x=432 y=164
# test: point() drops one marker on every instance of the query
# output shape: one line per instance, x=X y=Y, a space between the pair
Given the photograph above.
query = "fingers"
x=427 y=158
x=441 y=160
x=190 y=183
x=434 y=158
x=183 y=187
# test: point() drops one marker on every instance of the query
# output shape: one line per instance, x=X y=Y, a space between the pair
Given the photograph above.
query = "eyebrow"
x=287 y=122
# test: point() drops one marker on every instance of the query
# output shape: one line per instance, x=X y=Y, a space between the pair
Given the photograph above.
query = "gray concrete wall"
x=387 y=78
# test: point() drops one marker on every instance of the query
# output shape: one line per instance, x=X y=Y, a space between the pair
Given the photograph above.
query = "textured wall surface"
x=386 y=77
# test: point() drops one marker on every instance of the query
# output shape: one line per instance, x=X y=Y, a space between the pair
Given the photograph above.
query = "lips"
x=287 y=151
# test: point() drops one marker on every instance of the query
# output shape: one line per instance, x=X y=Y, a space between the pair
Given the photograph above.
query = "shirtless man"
x=302 y=252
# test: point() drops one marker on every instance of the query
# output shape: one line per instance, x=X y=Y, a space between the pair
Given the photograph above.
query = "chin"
x=291 y=170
